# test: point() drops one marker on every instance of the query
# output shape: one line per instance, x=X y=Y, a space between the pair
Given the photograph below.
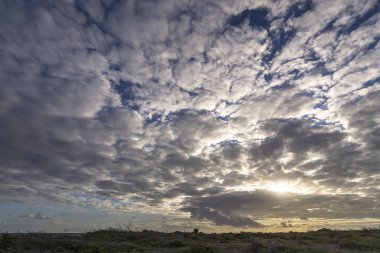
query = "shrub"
x=355 y=245
x=201 y=249
x=93 y=249
x=7 y=241
x=256 y=246
x=176 y=244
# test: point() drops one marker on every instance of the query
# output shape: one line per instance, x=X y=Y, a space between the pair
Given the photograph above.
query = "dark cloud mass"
x=207 y=108
x=265 y=204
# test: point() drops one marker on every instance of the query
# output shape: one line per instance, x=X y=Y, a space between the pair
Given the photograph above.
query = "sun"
x=281 y=187
x=278 y=187
x=285 y=187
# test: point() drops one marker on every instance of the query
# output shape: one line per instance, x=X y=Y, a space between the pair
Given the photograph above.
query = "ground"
x=116 y=240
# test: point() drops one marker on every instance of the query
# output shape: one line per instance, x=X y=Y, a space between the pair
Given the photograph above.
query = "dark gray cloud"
x=265 y=204
x=222 y=219
x=192 y=106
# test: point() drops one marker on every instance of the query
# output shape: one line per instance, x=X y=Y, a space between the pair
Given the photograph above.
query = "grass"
x=116 y=240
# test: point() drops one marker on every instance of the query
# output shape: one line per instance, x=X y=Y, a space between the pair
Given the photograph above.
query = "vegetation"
x=112 y=240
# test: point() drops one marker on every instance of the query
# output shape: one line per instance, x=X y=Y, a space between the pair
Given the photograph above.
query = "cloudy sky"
x=223 y=115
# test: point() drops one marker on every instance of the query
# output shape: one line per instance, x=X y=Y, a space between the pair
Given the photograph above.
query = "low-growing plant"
x=256 y=246
x=175 y=244
x=201 y=249
x=93 y=249
x=7 y=241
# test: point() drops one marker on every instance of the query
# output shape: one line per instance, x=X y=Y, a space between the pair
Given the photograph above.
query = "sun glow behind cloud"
x=278 y=186
x=287 y=187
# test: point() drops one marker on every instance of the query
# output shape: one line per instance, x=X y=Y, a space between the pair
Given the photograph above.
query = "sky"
x=169 y=115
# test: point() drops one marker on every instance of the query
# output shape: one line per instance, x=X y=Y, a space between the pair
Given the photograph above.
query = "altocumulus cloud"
x=122 y=105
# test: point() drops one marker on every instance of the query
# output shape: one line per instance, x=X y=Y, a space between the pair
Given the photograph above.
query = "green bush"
x=202 y=249
x=93 y=249
x=7 y=241
x=175 y=244
x=355 y=245
x=256 y=246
